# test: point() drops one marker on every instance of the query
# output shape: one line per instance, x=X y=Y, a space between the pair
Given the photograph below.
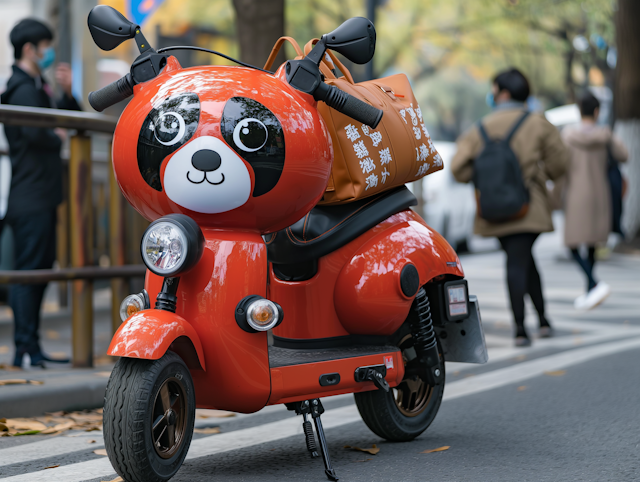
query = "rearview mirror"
x=355 y=39
x=109 y=28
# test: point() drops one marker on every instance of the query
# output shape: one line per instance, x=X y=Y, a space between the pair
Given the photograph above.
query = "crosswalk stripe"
x=51 y=447
x=273 y=431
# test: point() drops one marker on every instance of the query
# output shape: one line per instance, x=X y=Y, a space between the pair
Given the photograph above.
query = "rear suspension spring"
x=422 y=326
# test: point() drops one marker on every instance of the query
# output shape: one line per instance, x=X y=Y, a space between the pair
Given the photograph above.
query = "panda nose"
x=206 y=160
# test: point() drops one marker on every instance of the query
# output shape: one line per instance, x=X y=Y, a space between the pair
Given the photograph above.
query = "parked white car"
x=449 y=206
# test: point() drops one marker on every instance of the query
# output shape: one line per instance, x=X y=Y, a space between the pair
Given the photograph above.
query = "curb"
x=68 y=392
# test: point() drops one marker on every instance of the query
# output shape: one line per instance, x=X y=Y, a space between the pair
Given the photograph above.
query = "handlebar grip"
x=113 y=93
x=349 y=105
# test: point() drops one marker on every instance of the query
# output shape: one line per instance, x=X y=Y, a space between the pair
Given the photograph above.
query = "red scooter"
x=253 y=296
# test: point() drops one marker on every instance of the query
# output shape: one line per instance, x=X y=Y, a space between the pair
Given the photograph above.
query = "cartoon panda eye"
x=250 y=134
x=169 y=128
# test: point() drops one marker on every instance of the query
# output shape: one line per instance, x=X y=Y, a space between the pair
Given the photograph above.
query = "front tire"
x=404 y=412
x=149 y=412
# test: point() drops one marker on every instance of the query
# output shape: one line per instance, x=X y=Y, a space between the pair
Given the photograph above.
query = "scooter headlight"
x=171 y=245
x=133 y=304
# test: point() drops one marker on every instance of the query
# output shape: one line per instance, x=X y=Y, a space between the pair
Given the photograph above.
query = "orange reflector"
x=132 y=310
x=262 y=315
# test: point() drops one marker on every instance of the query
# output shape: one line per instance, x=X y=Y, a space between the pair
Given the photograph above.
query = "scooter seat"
x=327 y=228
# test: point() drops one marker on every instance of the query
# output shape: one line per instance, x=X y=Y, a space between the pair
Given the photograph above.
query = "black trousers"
x=522 y=277
x=35 y=248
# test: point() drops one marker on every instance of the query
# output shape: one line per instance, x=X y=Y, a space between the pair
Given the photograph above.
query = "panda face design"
x=205 y=174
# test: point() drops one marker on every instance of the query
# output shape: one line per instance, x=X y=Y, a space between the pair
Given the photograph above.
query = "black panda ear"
x=255 y=133
x=166 y=128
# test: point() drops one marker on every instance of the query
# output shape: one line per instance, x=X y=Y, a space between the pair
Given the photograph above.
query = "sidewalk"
x=64 y=388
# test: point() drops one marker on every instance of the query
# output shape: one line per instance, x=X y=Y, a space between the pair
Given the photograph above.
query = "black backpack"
x=501 y=194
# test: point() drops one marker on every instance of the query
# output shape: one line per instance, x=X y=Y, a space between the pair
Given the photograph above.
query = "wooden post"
x=62 y=239
x=117 y=206
x=81 y=236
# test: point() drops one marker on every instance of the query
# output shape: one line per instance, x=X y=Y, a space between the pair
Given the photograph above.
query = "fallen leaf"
x=91 y=441
x=103 y=374
x=207 y=430
x=28 y=432
x=117 y=479
x=24 y=424
x=100 y=451
x=52 y=334
x=10 y=368
x=365 y=460
x=555 y=373
x=521 y=388
x=439 y=449
x=4 y=349
x=21 y=381
x=52 y=466
x=61 y=427
x=206 y=413
x=373 y=450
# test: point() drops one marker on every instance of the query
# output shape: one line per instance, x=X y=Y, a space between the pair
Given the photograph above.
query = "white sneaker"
x=580 y=302
x=597 y=295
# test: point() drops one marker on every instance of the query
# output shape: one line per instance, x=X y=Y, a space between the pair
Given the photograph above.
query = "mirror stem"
x=318 y=52
x=143 y=45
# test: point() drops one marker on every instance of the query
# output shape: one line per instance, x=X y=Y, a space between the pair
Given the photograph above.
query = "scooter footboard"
x=463 y=340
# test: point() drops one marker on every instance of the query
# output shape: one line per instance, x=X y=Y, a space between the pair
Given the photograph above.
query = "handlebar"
x=113 y=93
x=348 y=105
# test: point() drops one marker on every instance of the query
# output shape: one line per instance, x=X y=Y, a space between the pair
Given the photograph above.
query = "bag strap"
x=324 y=65
x=276 y=49
x=507 y=140
x=483 y=133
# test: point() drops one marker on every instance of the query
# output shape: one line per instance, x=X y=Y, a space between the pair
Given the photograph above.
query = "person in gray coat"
x=587 y=202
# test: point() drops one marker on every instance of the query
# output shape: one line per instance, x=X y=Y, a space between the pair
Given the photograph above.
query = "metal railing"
x=75 y=232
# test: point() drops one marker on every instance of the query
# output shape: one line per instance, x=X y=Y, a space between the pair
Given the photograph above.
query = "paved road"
x=564 y=409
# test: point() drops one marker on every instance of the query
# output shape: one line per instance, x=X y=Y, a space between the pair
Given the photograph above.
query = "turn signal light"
x=132 y=304
x=255 y=313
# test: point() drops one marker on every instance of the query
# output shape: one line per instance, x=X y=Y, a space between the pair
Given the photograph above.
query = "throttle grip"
x=349 y=105
x=113 y=93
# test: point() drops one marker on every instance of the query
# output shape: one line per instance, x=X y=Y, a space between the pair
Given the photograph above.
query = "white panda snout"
x=206 y=162
x=207 y=176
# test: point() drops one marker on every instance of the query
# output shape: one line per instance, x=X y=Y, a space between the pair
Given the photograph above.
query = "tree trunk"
x=259 y=23
x=627 y=105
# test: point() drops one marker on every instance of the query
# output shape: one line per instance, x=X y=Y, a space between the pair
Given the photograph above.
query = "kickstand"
x=315 y=409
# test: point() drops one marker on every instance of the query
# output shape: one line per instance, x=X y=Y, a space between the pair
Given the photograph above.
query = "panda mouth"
x=205 y=178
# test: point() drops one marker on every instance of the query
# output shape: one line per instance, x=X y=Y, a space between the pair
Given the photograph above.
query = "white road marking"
x=273 y=431
x=58 y=445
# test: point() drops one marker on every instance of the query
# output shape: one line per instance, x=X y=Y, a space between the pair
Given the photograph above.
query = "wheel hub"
x=413 y=394
x=169 y=422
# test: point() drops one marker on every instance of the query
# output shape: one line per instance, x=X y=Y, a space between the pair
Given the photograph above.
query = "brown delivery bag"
x=368 y=161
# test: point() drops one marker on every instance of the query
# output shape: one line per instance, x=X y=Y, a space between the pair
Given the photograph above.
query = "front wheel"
x=149 y=412
x=404 y=412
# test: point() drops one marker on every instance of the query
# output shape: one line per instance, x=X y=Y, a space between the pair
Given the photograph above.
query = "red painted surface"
x=367 y=296
x=308 y=144
x=148 y=334
x=234 y=265
x=301 y=382
x=357 y=288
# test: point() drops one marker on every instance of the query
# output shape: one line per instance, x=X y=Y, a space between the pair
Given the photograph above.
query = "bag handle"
x=276 y=49
x=516 y=127
x=324 y=65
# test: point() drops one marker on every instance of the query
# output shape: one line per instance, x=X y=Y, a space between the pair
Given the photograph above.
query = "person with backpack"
x=588 y=203
x=509 y=156
x=36 y=182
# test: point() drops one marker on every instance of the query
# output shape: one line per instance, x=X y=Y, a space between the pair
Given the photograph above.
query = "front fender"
x=150 y=333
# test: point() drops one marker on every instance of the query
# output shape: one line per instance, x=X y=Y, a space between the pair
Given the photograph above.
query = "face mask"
x=48 y=58
x=491 y=102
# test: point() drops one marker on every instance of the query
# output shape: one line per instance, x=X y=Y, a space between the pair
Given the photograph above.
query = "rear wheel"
x=149 y=412
x=405 y=411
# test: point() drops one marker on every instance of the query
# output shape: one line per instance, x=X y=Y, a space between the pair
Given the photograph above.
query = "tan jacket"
x=542 y=155
x=587 y=195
